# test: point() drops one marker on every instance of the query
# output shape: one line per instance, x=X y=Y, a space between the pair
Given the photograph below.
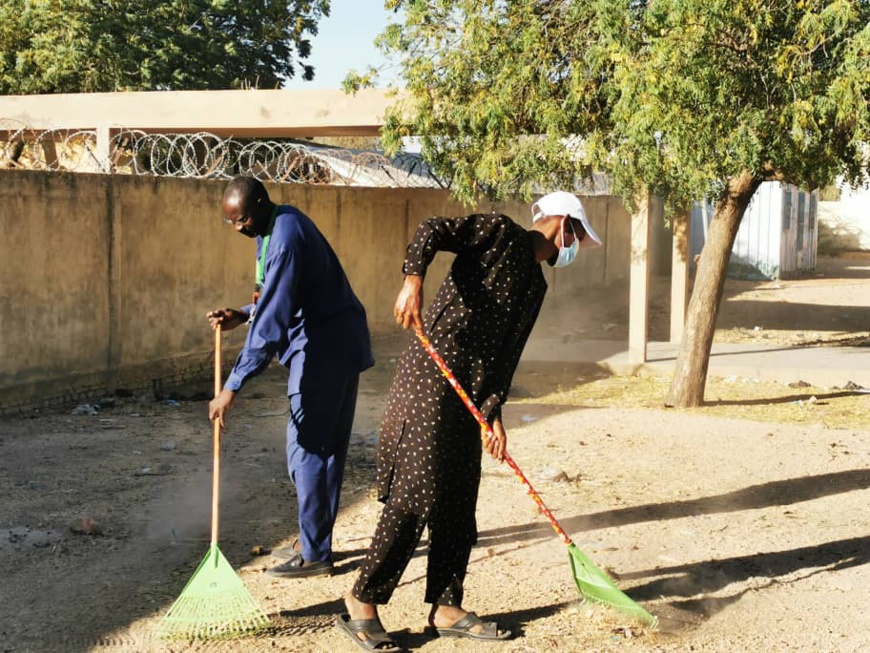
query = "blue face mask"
x=567 y=254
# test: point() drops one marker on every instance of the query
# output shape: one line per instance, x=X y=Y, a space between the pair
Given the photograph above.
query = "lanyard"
x=260 y=270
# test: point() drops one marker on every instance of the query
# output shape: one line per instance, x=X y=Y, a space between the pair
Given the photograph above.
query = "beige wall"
x=105 y=280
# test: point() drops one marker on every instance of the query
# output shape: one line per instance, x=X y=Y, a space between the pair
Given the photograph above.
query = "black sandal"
x=462 y=628
x=376 y=638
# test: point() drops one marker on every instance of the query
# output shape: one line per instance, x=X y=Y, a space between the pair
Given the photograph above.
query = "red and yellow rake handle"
x=427 y=345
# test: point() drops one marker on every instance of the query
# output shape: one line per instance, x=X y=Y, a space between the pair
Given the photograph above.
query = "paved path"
x=819 y=366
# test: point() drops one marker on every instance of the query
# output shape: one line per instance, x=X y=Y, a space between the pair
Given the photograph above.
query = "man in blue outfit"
x=307 y=315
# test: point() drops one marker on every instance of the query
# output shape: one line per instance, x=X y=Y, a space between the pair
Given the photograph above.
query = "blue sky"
x=345 y=41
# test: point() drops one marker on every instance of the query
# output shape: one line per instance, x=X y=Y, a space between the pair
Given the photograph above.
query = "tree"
x=69 y=46
x=683 y=98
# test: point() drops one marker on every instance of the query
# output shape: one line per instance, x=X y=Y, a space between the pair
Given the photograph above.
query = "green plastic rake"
x=214 y=603
x=593 y=584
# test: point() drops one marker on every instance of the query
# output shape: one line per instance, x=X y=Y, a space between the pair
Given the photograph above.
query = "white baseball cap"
x=564 y=203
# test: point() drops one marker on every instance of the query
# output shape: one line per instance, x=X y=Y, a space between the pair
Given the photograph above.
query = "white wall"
x=845 y=224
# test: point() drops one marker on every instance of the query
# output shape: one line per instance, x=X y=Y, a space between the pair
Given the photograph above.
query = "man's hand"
x=408 y=303
x=495 y=442
x=228 y=318
x=219 y=406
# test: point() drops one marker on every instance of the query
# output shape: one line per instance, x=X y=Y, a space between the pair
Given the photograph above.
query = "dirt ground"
x=738 y=535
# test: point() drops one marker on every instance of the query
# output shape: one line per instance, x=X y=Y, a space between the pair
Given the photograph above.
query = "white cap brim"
x=563 y=203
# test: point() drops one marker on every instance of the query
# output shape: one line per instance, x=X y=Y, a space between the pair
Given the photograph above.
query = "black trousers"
x=435 y=483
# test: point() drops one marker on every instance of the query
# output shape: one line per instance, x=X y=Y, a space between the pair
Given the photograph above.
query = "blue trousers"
x=318 y=433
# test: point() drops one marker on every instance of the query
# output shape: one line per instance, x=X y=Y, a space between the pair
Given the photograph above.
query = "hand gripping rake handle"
x=427 y=345
x=216 y=474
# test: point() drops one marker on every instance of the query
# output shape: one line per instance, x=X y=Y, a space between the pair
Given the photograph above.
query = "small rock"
x=86 y=526
x=799 y=384
x=553 y=475
x=85 y=409
x=168 y=446
x=161 y=470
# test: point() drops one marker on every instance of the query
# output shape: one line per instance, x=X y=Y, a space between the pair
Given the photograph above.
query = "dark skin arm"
x=220 y=405
x=407 y=314
x=496 y=443
x=409 y=303
x=229 y=319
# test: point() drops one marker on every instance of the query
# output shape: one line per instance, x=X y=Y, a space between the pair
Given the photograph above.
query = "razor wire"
x=202 y=155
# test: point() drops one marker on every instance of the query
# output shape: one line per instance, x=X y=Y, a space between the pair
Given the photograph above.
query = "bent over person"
x=308 y=316
x=429 y=449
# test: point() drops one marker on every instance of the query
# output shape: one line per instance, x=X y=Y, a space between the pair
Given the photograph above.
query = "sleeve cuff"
x=417 y=268
x=234 y=382
x=491 y=408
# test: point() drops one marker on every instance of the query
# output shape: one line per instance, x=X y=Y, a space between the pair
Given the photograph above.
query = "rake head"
x=214 y=604
x=596 y=586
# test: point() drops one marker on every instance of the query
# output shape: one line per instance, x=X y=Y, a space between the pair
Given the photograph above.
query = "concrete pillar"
x=49 y=151
x=103 y=148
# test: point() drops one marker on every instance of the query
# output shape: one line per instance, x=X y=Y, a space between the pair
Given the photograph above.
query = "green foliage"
x=674 y=95
x=68 y=46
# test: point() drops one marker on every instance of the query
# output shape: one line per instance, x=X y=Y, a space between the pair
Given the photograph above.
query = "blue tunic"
x=307 y=314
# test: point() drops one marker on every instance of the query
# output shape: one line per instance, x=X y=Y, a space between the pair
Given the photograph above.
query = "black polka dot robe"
x=429 y=450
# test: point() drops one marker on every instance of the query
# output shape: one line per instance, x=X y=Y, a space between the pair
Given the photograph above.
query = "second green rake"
x=592 y=582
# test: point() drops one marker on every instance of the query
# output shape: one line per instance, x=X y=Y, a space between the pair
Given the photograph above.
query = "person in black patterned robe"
x=429 y=449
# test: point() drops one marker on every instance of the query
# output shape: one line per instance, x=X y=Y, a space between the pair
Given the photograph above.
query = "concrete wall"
x=105 y=280
x=844 y=225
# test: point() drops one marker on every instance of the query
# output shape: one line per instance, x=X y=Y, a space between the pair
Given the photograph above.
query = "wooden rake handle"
x=454 y=382
x=216 y=473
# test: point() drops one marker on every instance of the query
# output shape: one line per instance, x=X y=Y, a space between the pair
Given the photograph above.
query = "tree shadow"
x=789 y=316
x=774 y=493
x=790 y=399
x=710 y=576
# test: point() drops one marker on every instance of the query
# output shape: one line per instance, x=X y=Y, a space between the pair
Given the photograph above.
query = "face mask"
x=566 y=254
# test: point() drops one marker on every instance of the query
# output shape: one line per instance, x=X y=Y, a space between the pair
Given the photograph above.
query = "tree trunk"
x=690 y=374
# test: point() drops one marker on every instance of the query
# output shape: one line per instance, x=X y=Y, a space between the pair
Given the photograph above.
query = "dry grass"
x=751 y=399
